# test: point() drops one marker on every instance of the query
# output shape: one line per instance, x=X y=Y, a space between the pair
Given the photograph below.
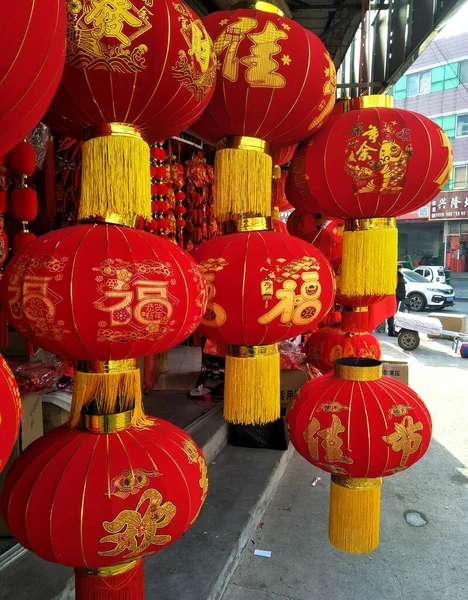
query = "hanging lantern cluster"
x=159 y=190
x=201 y=221
x=263 y=287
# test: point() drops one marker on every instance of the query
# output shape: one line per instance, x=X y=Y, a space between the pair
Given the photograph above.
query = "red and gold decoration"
x=263 y=287
x=101 y=497
x=199 y=188
x=360 y=427
x=32 y=55
x=369 y=165
x=10 y=412
x=160 y=73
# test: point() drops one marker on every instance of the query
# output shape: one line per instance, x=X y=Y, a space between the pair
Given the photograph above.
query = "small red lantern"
x=281 y=156
x=99 y=499
x=32 y=55
x=358 y=426
x=300 y=224
x=10 y=412
x=263 y=287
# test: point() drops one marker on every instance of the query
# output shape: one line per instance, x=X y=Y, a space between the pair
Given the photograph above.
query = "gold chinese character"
x=364 y=151
x=332 y=442
x=261 y=65
x=109 y=17
x=230 y=38
x=215 y=315
x=405 y=439
x=372 y=133
x=310 y=437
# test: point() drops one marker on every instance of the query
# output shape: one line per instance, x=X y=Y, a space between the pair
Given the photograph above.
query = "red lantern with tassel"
x=10 y=412
x=360 y=427
x=368 y=166
x=32 y=55
x=102 y=497
x=263 y=287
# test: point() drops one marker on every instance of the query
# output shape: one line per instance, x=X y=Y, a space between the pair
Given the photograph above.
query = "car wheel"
x=417 y=302
x=408 y=340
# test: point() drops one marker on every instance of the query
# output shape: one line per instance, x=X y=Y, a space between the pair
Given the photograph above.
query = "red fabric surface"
x=279 y=226
x=32 y=55
x=23 y=204
x=376 y=162
x=125 y=586
x=380 y=311
x=103 y=292
x=276 y=80
x=263 y=287
x=340 y=426
x=299 y=224
x=10 y=412
x=281 y=156
x=21 y=240
x=95 y=500
x=22 y=158
x=297 y=189
x=154 y=68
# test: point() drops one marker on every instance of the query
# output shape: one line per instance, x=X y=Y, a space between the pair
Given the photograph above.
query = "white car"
x=421 y=294
x=432 y=274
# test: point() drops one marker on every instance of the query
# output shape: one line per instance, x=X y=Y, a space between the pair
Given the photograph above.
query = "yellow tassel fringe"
x=369 y=264
x=243 y=183
x=116 y=179
x=112 y=392
x=354 y=518
x=252 y=389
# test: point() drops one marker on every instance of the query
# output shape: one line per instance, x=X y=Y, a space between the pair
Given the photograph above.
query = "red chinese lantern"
x=32 y=55
x=300 y=224
x=134 y=70
x=279 y=202
x=368 y=166
x=328 y=239
x=279 y=226
x=297 y=189
x=101 y=498
x=328 y=344
x=360 y=427
x=100 y=293
x=263 y=287
x=10 y=412
x=281 y=156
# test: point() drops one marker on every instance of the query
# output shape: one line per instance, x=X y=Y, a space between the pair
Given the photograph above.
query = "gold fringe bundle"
x=370 y=253
x=116 y=184
x=354 y=517
x=243 y=183
x=252 y=384
x=112 y=391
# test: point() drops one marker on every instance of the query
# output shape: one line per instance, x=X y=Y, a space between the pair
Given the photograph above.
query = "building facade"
x=437 y=86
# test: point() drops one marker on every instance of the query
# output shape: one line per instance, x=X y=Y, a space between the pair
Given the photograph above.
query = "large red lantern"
x=103 y=294
x=10 y=412
x=358 y=426
x=263 y=287
x=327 y=344
x=101 y=498
x=32 y=55
x=368 y=166
x=135 y=71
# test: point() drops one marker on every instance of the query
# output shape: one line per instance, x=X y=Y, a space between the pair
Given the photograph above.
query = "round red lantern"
x=263 y=287
x=281 y=156
x=360 y=427
x=300 y=224
x=297 y=189
x=278 y=196
x=32 y=55
x=279 y=226
x=101 y=498
x=328 y=344
x=10 y=412
x=276 y=80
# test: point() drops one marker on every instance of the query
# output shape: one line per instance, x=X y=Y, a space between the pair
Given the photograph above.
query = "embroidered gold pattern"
x=131 y=482
x=405 y=438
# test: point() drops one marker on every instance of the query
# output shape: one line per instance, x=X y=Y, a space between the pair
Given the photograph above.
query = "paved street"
x=429 y=562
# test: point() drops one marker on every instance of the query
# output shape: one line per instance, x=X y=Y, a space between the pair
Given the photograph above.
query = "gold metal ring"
x=373 y=101
x=113 y=570
x=243 y=142
x=247 y=224
x=107 y=366
x=358 y=369
x=367 y=224
x=259 y=5
x=356 y=309
x=252 y=351
x=358 y=483
x=107 y=129
x=107 y=423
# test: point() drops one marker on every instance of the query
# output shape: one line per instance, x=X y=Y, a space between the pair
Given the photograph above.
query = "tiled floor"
x=183 y=368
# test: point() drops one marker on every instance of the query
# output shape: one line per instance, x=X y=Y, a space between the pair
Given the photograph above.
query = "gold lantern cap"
x=269 y=7
x=358 y=369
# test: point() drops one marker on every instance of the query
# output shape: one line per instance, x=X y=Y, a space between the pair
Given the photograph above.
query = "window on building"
x=400 y=88
x=445 y=77
x=460 y=177
x=462 y=125
x=463 y=76
x=418 y=83
x=447 y=123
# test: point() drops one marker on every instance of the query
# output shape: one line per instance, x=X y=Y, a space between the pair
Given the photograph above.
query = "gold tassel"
x=243 y=178
x=114 y=387
x=354 y=518
x=116 y=184
x=370 y=254
x=252 y=384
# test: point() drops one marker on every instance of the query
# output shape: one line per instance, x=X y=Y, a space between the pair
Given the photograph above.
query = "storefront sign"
x=449 y=205
x=421 y=213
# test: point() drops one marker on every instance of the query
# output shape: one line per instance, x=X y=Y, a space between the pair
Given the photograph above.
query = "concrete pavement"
x=429 y=562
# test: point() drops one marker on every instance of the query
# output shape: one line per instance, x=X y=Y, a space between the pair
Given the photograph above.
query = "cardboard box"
x=55 y=409
x=455 y=323
x=396 y=369
x=290 y=382
x=31 y=429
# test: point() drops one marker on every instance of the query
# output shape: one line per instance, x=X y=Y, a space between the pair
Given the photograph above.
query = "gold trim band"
x=259 y=5
x=248 y=224
x=275 y=212
x=243 y=142
x=276 y=172
x=113 y=570
x=107 y=129
x=358 y=369
x=252 y=351
x=359 y=483
x=107 y=423
x=113 y=219
x=107 y=366
x=367 y=224
x=373 y=101
x=356 y=309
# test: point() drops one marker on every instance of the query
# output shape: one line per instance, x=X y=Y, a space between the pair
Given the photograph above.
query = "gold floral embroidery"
x=332 y=407
x=332 y=442
x=405 y=438
x=399 y=410
x=131 y=482
x=310 y=438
